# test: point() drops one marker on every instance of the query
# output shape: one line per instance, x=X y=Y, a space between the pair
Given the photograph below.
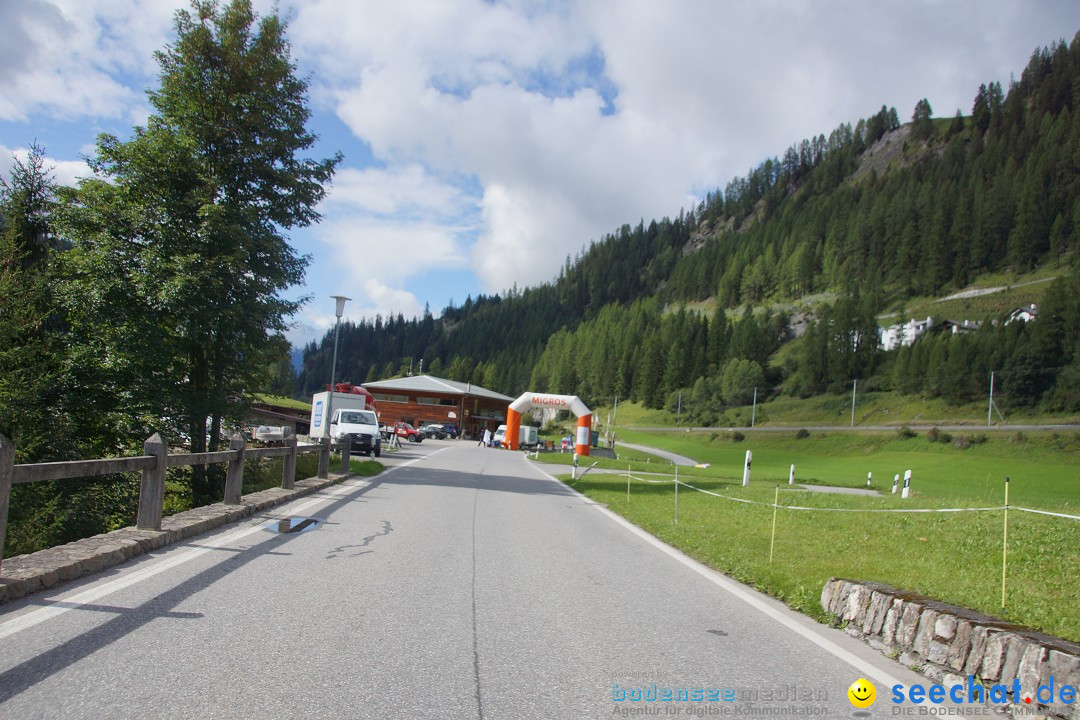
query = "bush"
x=936 y=435
x=802 y=434
x=905 y=433
x=964 y=441
x=737 y=436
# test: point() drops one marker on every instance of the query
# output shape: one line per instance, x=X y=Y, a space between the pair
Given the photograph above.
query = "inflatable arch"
x=541 y=400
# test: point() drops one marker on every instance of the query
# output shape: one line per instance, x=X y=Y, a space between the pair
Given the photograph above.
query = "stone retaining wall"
x=948 y=643
x=25 y=574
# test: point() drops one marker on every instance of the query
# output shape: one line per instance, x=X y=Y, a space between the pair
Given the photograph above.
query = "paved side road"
x=673 y=457
x=462 y=584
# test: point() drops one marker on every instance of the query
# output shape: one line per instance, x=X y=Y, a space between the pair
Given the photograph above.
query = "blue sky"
x=486 y=141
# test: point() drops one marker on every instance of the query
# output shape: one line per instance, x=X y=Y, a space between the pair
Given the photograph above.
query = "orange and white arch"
x=531 y=400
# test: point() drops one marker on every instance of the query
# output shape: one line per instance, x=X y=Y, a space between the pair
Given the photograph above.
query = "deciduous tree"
x=189 y=218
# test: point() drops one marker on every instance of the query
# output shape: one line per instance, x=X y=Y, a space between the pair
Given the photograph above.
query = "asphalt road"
x=461 y=583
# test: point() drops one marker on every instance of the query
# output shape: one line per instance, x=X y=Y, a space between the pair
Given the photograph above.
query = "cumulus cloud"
x=401 y=190
x=64 y=172
x=74 y=58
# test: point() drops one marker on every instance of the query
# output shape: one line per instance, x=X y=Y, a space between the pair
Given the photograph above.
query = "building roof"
x=432 y=384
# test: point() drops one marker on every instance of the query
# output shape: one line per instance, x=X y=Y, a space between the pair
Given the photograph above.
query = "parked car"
x=408 y=432
x=434 y=430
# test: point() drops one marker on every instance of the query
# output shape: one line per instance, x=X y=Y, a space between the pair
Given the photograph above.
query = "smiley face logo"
x=862 y=693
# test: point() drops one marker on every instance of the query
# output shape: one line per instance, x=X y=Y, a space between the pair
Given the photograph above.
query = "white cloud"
x=373 y=257
x=404 y=189
x=64 y=172
x=70 y=58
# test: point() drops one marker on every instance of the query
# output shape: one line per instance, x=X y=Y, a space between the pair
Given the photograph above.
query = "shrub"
x=905 y=433
x=936 y=435
x=802 y=434
x=737 y=436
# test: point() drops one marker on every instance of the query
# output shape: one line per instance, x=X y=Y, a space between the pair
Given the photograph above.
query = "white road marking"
x=732 y=587
x=86 y=597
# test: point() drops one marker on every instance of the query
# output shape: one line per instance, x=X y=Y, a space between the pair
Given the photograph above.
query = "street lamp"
x=338 y=310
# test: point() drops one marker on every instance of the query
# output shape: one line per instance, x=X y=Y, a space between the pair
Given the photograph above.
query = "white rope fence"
x=852 y=510
x=775 y=505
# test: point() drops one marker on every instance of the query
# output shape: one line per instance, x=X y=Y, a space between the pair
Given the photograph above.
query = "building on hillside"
x=896 y=335
x=422 y=399
x=959 y=327
x=1023 y=314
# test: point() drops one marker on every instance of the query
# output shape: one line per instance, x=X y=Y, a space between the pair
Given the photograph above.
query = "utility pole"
x=854 y=384
x=678 y=413
x=753 y=413
x=990 y=408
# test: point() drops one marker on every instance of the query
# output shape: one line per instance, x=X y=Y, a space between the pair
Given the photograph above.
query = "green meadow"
x=953 y=557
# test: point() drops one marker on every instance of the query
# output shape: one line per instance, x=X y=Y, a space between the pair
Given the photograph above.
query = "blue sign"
x=317 y=420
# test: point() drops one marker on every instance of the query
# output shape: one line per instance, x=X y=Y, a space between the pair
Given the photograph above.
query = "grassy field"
x=954 y=557
x=1044 y=469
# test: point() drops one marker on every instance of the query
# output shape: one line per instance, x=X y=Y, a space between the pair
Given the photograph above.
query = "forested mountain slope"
x=874 y=213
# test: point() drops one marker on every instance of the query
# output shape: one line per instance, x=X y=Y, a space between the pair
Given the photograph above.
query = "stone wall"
x=947 y=643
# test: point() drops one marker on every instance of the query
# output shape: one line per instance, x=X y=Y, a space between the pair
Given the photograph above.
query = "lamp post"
x=338 y=310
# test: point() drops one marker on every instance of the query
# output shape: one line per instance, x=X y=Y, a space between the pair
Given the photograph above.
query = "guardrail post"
x=324 y=459
x=346 y=451
x=288 y=469
x=234 y=477
x=152 y=488
x=7 y=473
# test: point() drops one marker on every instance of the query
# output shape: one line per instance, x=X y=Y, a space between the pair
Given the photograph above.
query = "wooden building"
x=422 y=399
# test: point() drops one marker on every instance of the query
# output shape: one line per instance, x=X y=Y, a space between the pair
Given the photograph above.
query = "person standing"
x=486 y=440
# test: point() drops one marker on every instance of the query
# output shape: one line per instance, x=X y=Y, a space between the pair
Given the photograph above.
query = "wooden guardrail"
x=153 y=463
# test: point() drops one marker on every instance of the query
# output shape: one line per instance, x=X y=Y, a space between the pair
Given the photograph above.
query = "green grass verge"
x=1042 y=467
x=954 y=557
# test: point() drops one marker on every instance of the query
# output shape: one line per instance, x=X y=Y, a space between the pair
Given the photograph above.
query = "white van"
x=528 y=437
x=361 y=425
